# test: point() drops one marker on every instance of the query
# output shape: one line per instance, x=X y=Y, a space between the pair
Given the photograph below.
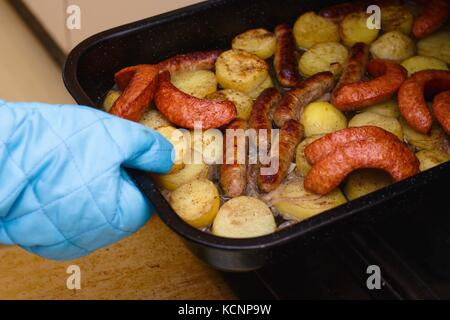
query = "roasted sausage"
x=388 y=77
x=290 y=136
x=139 y=84
x=185 y=110
x=411 y=100
x=233 y=175
x=433 y=16
x=200 y=60
x=384 y=152
x=441 y=110
x=285 y=60
x=294 y=101
x=354 y=69
x=338 y=12
x=328 y=144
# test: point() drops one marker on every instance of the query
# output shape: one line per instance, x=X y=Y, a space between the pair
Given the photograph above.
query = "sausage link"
x=185 y=110
x=233 y=176
x=290 y=136
x=388 y=77
x=441 y=110
x=293 y=103
x=285 y=60
x=337 y=12
x=138 y=91
x=200 y=60
x=433 y=16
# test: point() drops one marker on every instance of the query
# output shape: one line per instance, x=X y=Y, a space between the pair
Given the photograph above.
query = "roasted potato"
x=418 y=63
x=423 y=141
x=154 y=119
x=436 y=45
x=110 y=98
x=244 y=217
x=431 y=158
x=198 y=83
x=303 y=165
x=208 y=143
x=242 y=102
x=257 y=41
x=295 y=203
x=396 y=18
x=196 y=202
x=240 y=70
x=354 y=29
x=365 y=181
x=268 y=83
x=394 y=46
x=388 y=109
x=311 y=29
x=321 y=118
x=373 y=119
x=189 y=173
x=180 y=140
x=327 y=56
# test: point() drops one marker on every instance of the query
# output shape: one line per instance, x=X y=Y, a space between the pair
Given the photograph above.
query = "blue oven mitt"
x=63 y=190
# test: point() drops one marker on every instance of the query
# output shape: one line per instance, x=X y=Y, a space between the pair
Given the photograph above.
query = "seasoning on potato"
x=268 y=83
x=196 y=202
x=328 y=56
x=240 y=70
x=311 y=29
x=431 y=158
x=373 y=119
x=419 y=63
x=154 y=119
x=181 y=145
x=394 y=46
x=190 y=172
x=396 y=18
x=110 y=99
x=322 y=118
x=257 y=41
x=242 y=102
x=353 y=29
x=244 y=217
x=198 y=83
x=364 y=181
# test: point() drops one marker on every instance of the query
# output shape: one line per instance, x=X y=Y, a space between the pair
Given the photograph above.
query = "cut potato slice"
x=419 y=63
x=353 y=29
x=295 y=203
x=431 y=158
x=394 y=46
x=322 y=118
x=373 y=119
x=110 y=99
x=268 y=83
x=396 y=18
x=154 y=119
x=257 y=41
x=198 y=83
x=365 y=181
x=423 y=141
x=240 y=70
x=190 y=172
x=244 y=217
x=196 y=202
x=303 y=165
x=388 y=109
x=328 y=56
x=242 y=102
x=180 y=140
x=436 y=45
x=311 y=29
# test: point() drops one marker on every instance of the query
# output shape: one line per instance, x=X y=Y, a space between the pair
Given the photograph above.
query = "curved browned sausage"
x=185 y=110
x=294 y=101
x=441 y=110
x=200 y=60
x=285 y=60
x=433 y=16
x=388 y=79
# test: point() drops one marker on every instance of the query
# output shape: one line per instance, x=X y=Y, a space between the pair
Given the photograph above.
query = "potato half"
x=181 y=144
x=198 y=83
x=423 y=141
x=110 y=99
x=373 y=119
x=396 y=18
x=419 y=63
x=189 y=173
x=436 y=45
x=365 y=181
x=196 y=202
x=244 y=217
x=431 y=158
x=311 y=29
x=295 y=203
x=257 y=41
x=242 y=102
x=303 y=165
x=327 y=56
x=268 y=83
x=394 y=46
x=154 y=119
x=388 y=109
x=240 y=70
x=321 y=118
x=353 y=29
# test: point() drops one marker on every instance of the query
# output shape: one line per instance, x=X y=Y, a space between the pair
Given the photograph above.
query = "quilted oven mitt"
x=63 y=190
